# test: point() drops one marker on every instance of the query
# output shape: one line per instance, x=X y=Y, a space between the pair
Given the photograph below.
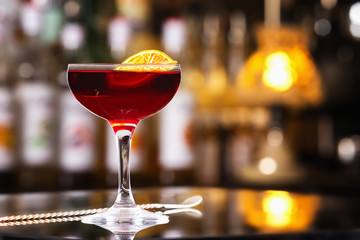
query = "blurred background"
x=268 y=99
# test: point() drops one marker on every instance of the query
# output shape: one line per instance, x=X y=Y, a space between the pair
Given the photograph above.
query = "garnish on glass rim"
x=152 y=57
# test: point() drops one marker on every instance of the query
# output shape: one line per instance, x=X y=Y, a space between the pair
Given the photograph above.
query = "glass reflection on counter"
x=223 y=212
x=278 y=207
x=273 y=211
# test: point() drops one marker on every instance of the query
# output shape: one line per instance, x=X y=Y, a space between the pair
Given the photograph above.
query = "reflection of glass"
x=124 y=97
x=185 y=208
x=272 y=211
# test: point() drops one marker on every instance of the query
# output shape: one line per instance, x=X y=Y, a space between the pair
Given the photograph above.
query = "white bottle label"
x=30 y=19
x=72 y=36
x=119 y=33
x=37 y=124
x=136 y=150
x=6 y=130
x=77 y=136
x=176 y=152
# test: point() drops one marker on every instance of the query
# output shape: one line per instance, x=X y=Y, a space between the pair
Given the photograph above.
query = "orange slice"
x=151 y=57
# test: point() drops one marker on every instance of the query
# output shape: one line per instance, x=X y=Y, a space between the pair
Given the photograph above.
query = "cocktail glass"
x=123 y=95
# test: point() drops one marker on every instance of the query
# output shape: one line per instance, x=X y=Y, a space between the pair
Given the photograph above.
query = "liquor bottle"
x=208 y=150
x=78 y=151
x=210 y=98
x=236 y=43
x=72 y=37
x=240 y=144
x=73 y=34
x=215 y=72
x=176 y=135
x=137 y=15
x=35 y=96
x=81 y=133
x=119 y=35
x=275 y=163
x=30 y=13
x=248 y=133
x=136 y=23
x=52 y=21
x=128 y=33
x=8 y=164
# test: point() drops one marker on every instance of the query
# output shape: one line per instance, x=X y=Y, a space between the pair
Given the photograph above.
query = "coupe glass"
x=123 y=95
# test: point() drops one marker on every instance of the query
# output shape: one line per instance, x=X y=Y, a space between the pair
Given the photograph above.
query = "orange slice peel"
x=148 y=57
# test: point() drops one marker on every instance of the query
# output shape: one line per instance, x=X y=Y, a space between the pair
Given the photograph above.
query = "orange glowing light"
x=278 y=207
x=272 y=211
x=280 y=71
x=279 y=74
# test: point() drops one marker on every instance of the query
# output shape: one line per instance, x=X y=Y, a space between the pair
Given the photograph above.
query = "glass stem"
x=124 y=197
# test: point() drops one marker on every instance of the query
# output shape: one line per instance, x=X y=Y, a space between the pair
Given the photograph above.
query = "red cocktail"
x=123 y=95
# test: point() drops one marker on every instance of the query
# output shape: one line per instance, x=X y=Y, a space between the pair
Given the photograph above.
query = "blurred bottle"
x=127 y=34
x=36 y=97
x=8 y=111
x=248 y=133
x=135 y=21
x=137 y=15
x=30 y=13
x=52 y=22
x=8 y=156
x=77 y=142
x=176 y=132
x=119 y=36
x=236 y=121
x=208 y=150
x=73 y=34
x=236 y=42
x=275 y=163
x=211 y=100
x=215 y=72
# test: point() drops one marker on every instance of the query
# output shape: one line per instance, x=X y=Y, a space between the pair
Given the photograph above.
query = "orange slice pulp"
x=151 y=57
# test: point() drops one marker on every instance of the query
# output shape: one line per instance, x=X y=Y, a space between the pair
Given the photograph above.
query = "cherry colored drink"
x=123 y=96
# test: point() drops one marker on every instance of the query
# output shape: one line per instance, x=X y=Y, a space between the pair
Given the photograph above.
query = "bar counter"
x=222 y=214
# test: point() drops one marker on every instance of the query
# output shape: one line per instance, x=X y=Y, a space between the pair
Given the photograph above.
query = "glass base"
x=119 y=220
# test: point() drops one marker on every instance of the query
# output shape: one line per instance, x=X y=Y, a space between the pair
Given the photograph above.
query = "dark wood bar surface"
x=223 y=214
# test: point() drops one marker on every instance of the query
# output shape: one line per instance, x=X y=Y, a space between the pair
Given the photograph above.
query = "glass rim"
x=112 y=66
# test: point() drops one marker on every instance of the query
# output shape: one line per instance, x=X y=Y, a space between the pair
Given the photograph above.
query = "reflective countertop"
x=223 y=213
